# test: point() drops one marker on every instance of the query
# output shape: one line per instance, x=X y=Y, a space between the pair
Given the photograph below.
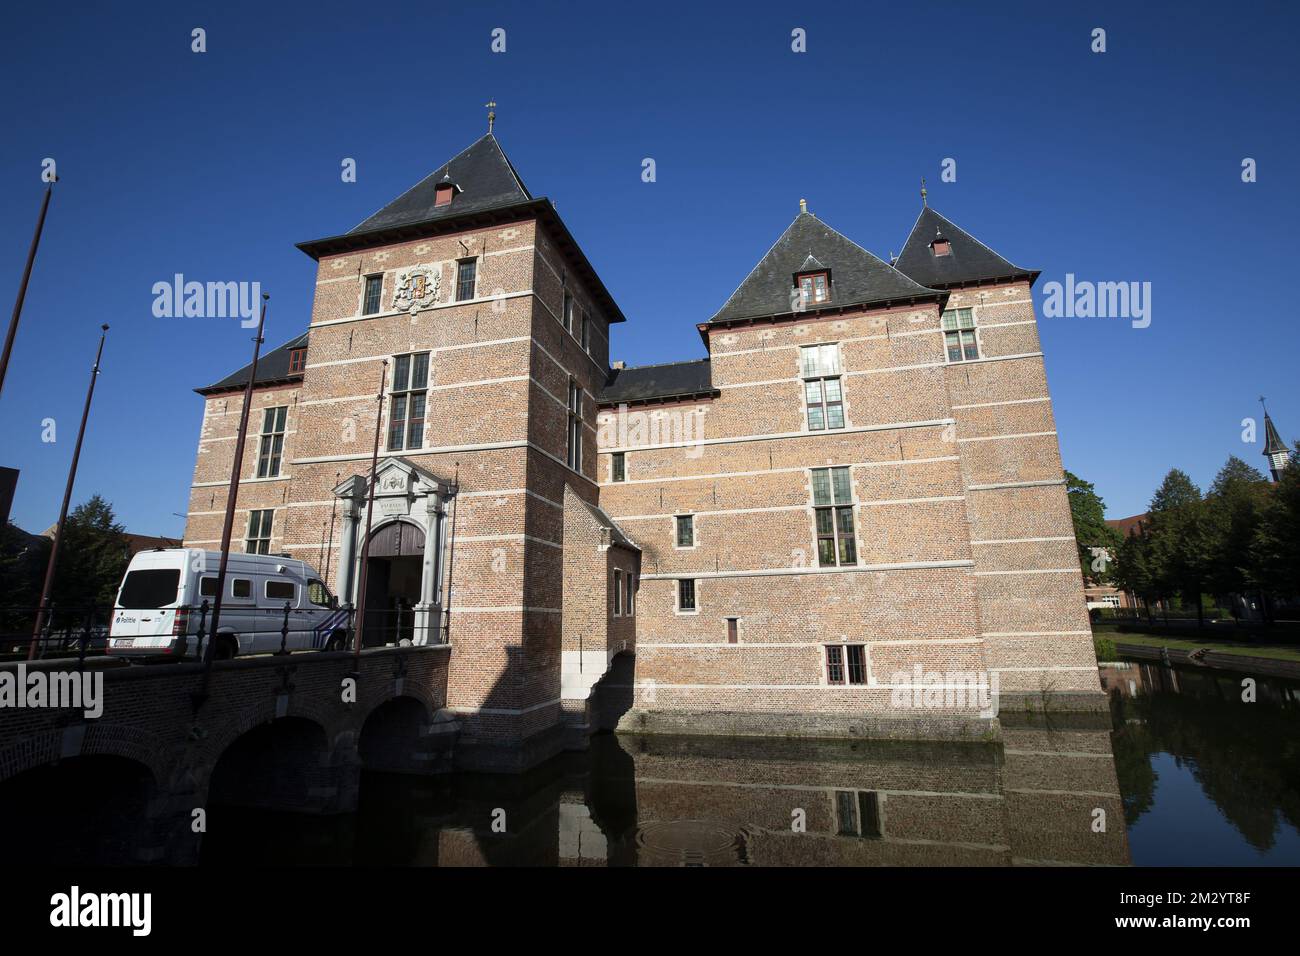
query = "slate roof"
x=489 y=191
x=1273 y=442
x=616 y=535
x=857 y=277
x=272 y=367
x=657 y=382
x=969 y=261
x=485 y=177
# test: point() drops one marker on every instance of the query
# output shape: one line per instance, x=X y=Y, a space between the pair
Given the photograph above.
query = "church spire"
x=1275 y=450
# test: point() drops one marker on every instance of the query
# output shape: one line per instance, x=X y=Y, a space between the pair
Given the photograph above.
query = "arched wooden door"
x=397 y=539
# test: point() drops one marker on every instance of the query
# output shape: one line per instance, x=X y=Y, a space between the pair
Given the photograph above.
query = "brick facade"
x=964 y=546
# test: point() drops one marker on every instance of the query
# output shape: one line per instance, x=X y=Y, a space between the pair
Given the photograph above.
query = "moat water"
x=1183 y=772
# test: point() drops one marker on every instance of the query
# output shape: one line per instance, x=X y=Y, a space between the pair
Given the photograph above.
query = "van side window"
x=241 y=587
x=280 y=590
x=318 y=593
x=207 y=587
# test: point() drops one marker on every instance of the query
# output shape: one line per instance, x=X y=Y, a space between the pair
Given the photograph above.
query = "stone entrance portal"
x=406 y=576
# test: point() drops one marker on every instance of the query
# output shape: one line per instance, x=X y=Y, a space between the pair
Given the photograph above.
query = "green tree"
x=92 y=557
x=22 y=567
x=1275 y=551
x=1235 y=503
x=1179 y=554
x=1088 y=512
x=1132 y=568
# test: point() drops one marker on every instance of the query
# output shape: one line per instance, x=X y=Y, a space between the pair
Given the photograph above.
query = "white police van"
x=159 y=606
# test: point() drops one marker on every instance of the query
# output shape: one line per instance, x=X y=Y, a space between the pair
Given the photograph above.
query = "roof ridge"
x=977 y=241
x=632 y=368
x=509 y=165
x=760 y=261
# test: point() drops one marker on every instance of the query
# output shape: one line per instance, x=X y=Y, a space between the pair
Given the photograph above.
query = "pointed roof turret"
x=858 y=277
x=1272 y=440
x=1275 y=450
x=940 y=254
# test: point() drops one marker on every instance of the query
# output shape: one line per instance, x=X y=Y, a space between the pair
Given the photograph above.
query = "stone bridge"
x=290 y=732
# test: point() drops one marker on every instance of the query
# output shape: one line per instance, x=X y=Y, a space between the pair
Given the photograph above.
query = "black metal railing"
x=83 y=631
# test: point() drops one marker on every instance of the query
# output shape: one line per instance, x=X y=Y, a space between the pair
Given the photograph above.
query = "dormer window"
x=443 y=193
x=940 y=246
x=814 y=288
x=297 y=360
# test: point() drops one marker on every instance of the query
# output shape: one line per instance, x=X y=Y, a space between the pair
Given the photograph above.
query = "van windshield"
x=152 y=588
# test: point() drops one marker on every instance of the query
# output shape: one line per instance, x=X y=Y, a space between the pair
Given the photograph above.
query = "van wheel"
x=226 y=648
x=338 y=641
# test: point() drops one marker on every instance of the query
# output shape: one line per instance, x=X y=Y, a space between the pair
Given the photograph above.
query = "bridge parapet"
x=292 y=732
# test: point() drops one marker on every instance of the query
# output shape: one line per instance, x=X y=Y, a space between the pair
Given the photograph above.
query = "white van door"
x=145 y=603
x=275 y=591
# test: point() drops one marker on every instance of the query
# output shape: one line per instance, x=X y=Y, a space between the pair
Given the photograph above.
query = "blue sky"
x=1121 y=166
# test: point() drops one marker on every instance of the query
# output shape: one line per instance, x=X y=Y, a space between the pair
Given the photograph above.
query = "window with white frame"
x=618 y=467
x=618 y=592
x=629 y=594
x=846 y=663
x=819 y=366
x=568 y=311
x=959 y=335
x=833 y=515
x=370 y=301
x=410 y=394
x=271 y=452
x=258 y=540
x=686 y=596
x=466 y=276
x=685 y=531
x=573 y=457
x=814 y=288
x=857 y=813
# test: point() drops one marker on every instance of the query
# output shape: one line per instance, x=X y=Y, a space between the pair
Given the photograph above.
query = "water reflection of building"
x=1032 y=798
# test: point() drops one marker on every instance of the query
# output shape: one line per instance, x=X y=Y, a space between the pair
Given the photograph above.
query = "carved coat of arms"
x=417 y=288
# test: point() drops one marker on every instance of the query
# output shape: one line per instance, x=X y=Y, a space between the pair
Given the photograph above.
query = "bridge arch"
x=92 y=738
x=279 y=764
x=394 y=734
x=91 y=809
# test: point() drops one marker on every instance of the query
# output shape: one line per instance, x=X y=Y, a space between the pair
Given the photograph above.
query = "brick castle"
x=856 y=496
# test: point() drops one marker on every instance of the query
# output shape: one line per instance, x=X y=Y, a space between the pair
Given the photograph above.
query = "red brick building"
x=859 y=490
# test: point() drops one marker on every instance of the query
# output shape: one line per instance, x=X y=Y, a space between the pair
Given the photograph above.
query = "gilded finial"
x=923 y=200
x=491 y=106
x=803 y=205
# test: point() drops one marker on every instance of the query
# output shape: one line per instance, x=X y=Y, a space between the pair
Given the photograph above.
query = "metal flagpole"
x=22 y=287
x=327 y=557
x=63 y=511
x=370 y=513
x=451 y=558
x=232 y=494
